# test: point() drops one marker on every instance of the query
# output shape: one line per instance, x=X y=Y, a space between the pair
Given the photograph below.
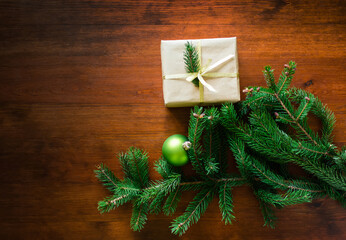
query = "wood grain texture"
x=81 y=80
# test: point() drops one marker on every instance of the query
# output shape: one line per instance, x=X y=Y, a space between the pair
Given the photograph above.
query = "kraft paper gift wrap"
x=181 y=93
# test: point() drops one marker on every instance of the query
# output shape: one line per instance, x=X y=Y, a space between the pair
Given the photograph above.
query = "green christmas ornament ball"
x=173 y=150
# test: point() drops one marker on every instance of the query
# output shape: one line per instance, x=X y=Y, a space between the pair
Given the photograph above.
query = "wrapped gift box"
x=224 y=79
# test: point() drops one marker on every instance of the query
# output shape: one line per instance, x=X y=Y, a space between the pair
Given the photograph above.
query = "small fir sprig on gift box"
x=259 y=133
x=192 y=60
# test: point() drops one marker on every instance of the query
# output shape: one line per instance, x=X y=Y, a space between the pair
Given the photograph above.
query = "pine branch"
x=128 y=187
x=139 y=216
x=107 y=177
x=196 y=127
x=304 y=107
x=226 y=202
x=193 y=212
x=242 y=131
x=140 y=165
x=109 y=203
x=293 y=119
x=171 y=203
x=211 y=142
x=268 y=133
x=135 y=165
x=191 y=60
x=286 y=76
x=247 y=163
x=329 y=174
x=268 y=73
x=160 y=187
x=276 y=181
x=318 y=109
x=258 y=98
x=163 y=168
x=307 y=150
x=156 y=203
x=340 y=159
x=268 y=214
x=278 y=200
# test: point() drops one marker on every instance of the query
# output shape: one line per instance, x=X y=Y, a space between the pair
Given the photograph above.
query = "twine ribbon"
x=204 y=72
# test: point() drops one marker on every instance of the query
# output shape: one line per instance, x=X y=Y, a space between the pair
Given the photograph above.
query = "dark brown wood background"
x=81 y=81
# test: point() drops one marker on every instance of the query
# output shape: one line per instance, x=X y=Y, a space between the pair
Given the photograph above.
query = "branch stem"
x=294 y=119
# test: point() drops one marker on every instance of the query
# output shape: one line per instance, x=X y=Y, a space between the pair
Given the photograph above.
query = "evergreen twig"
x=191 y=60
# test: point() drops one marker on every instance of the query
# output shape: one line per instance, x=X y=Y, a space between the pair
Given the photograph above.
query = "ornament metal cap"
x=187 y=145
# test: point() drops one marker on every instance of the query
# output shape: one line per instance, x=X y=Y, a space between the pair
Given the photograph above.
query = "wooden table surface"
x=80 y=81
